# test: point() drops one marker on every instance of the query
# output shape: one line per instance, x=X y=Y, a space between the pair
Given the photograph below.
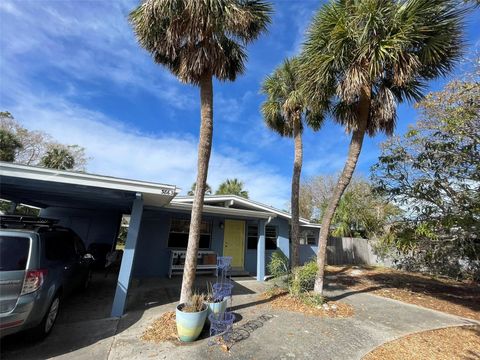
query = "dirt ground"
x=281 y=299
x=449 y=296
x=443 y=344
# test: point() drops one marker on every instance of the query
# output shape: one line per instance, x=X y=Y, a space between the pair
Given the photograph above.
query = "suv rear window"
x=13 y=252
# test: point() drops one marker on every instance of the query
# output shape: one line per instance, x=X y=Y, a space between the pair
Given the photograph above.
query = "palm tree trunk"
x=343 y=181
x=204 y=150
x=297 y=168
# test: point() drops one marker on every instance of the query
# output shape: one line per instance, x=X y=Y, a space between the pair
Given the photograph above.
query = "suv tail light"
x=33 y=280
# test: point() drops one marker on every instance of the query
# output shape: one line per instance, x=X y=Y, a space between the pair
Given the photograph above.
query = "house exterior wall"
x=152 y=256
x=309 y=252
x=93 y=226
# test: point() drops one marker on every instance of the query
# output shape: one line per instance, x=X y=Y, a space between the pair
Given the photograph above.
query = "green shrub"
x=278 y=264
x=303 y=278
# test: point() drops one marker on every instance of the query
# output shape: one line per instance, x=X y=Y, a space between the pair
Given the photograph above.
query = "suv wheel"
x=46 y=326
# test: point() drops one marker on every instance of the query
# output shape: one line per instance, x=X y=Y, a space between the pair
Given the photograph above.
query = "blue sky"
x=74 y=70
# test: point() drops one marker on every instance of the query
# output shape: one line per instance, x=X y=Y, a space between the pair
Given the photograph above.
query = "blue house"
x=93 y=206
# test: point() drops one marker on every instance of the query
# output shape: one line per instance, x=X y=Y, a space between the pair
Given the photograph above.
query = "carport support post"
x=128 y=256
x=261 y=251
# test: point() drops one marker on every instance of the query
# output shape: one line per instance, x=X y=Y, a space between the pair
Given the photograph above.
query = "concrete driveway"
x=262 y=333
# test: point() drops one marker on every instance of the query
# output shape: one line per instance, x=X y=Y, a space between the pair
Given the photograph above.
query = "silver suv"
x=40 y=264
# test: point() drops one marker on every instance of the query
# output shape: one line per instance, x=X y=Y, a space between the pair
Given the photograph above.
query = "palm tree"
x=285 y=112
x=232 y=187
x=197 y=41
x=58 y=158
x=361 y=58
x=191 y=192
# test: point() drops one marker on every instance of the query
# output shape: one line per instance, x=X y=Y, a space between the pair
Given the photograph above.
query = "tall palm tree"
x=197 y=41
x=191 y=192
x=59 y=158
x=361 y=58
x=232 y=187
x=285 y=112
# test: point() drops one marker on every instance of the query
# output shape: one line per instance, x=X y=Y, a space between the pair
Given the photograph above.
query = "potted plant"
x=215 y=305
x=190 y=318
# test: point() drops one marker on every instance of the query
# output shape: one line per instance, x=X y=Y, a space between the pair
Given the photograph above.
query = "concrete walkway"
x=269 y=334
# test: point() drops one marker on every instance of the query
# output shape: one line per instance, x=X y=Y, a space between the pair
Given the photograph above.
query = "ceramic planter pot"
x=190 y=324
x=217 y=307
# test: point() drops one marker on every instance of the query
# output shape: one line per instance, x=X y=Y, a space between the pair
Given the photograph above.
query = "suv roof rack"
x=25 y=220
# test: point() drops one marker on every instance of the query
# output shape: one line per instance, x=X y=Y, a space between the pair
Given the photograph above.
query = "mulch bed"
x=443 y=344
x=163 y=329
x=281 y=299
x=446 y=295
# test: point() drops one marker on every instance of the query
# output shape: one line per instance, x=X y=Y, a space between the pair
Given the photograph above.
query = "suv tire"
x=46 y=325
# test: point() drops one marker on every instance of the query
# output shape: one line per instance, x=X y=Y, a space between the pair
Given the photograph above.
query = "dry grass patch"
x=163 y=329
x=281 y=299
x=443 y=344
x=446 y=295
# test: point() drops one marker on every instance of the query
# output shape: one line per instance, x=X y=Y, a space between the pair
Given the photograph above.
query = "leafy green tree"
x=361 y=211
x=434 y=172
x=9 y=145
x=191 y=192
x=285 y=111
x=198 y=41
x=58 y=157
x=362 y=58
x=232 y=187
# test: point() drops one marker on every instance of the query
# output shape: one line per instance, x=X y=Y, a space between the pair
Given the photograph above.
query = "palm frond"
x=391 y=47
x=286 y=106
x=193 y=38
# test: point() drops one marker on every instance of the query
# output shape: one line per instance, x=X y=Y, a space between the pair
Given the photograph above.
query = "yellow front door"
x=234 y=242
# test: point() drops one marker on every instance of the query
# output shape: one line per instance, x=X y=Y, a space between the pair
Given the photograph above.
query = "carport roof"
x=43 y=187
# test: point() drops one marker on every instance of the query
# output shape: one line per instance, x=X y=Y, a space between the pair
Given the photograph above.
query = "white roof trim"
x=246 y=202
x=84 y=179
x=208 y=209
x=311 y=225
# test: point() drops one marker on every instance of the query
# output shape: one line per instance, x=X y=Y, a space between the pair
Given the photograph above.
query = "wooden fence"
x=350 y=251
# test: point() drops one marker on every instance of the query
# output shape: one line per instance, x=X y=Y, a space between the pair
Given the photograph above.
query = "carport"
x=92 y=205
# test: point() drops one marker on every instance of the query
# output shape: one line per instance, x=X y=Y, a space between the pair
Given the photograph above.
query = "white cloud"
x=121 y=151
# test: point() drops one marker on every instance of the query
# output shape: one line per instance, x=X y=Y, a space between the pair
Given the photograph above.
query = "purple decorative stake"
x=221 y=324
x=223 y=262
x=222 y=291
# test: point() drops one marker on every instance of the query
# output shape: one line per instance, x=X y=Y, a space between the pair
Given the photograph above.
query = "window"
x=13 y=252
x=59 y=246
x=252 y=237
x=79 y=245
x=270 y=237
x=307 y=237
x=179 y=229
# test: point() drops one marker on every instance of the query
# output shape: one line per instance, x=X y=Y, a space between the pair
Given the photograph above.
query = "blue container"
x=217 y=307
x=190 y=324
